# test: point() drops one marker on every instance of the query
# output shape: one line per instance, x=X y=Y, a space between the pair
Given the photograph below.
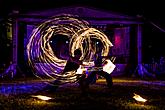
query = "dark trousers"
x=106 y=75
x=83 y=83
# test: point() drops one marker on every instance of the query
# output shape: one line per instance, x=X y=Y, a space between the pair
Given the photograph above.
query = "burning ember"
x=42 y=97
x=139 y=98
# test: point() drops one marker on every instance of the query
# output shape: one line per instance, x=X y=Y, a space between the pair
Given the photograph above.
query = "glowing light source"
x=77 y=31
x=139 y=98
x=109 y=67
x=41 y=97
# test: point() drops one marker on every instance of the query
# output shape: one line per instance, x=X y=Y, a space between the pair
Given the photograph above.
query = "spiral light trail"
x=44 y=61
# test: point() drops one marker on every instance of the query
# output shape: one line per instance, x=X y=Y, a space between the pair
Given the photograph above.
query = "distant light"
x=41 y=97
x=149 y=46
x=139 y=16
x=51 y=41
x=15 y=11
x=66 y=42
x=7 y=45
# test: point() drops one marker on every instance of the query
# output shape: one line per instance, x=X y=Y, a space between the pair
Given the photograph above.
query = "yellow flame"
x=42 y=97
x=139 y=98
x=41 y=56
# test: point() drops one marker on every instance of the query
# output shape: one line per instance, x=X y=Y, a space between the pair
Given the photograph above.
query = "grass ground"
x=69 y=97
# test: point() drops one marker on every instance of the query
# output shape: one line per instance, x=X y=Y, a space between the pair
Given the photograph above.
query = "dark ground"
x=17 y=95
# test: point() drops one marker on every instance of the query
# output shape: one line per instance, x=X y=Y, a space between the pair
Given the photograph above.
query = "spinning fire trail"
x=49 y=65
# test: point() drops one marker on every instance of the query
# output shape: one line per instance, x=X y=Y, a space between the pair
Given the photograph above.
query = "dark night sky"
x=152 y=11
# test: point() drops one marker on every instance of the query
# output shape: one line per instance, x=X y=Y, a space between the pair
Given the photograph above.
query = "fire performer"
x=102 y=68
x=73 y=64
